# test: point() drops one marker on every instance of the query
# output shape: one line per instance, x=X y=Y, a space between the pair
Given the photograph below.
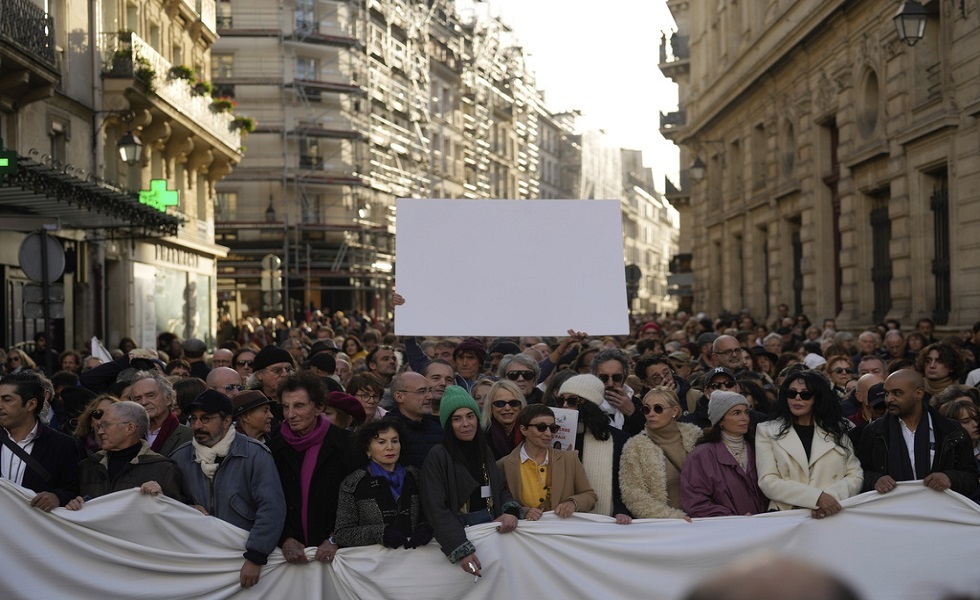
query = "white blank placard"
x=510 y=267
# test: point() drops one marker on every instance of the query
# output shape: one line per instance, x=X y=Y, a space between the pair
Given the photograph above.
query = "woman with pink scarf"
x=313 y=458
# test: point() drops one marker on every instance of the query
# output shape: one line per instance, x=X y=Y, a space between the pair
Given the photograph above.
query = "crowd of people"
x=336 y=433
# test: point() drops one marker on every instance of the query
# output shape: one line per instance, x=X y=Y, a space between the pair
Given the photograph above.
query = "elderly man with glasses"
x=413 y=407
x=125 y=460
x=225 y=380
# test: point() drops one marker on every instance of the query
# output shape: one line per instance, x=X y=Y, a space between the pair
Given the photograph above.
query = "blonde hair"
x=664 y=393
x=503 y=384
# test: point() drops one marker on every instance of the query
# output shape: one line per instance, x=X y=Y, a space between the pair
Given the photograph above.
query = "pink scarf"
x=309 y=446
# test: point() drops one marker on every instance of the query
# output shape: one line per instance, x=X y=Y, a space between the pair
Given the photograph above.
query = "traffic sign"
x=30 y=257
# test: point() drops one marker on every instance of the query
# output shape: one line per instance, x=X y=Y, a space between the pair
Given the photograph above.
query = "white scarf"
x=207 y=456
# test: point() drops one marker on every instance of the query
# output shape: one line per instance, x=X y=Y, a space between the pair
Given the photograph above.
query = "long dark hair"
x=826 y=406
x=458 y=449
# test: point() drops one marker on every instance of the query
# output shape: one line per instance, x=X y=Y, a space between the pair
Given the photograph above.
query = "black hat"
x=876 y=395
x=761 y=351
x=211 y=401
x=504 y=347
x=75 y=399
x=248 y=400
x=719 y=371
x=325 y=362
x=327 y=345
x=271 y=355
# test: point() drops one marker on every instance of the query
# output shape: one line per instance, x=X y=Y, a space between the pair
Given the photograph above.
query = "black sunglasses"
x=542 y=427
x=97 y=413
x=569 y=400
x=510 y=403
x=244 y=363
x=804 y=394
x=722 y=384
x=617 y=377
x=839 y=370
x=525 y=375
x=657 y=408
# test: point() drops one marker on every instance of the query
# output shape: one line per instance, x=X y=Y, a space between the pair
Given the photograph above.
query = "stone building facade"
x=840 y=165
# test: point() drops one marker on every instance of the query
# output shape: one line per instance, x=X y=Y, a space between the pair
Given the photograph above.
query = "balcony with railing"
x=126 y=55
x=28 y=65
x=675 y=55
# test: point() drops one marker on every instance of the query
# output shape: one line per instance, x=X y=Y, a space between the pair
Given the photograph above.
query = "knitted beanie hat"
x=585 y=386
x=721 y=402
x=453 y=399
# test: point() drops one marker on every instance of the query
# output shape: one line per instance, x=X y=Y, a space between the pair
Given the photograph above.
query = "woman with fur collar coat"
x=650 y=468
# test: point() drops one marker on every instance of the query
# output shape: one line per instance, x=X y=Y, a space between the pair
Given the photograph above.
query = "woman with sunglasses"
x=461 y=483
x=804 y=456
x=719 y=476
x=840 y=369
x=598 y=444
x=542 y=478
x=650 y=470
x=501 y=405
x=18 y=360
x=88 y=422
x=524 y=372
x=242 y=361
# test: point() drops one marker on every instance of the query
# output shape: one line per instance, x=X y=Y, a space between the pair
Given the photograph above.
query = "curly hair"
x=948 y=355
x=371 y=430
x=827 y=412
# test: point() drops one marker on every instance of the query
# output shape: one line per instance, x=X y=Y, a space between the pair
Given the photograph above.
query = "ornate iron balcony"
x=29 y=28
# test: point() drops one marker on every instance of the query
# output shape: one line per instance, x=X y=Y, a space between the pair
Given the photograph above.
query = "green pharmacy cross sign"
x=8 y=162
x=158 y=196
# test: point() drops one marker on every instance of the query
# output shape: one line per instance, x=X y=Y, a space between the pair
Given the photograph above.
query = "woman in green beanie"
x=461 y=484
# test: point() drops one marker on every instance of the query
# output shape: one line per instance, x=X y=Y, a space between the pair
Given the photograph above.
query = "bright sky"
x=601 y=58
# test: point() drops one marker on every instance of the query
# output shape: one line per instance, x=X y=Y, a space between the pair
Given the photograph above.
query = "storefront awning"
x=42 y=190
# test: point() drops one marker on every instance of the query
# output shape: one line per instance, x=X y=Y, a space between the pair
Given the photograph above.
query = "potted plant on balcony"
x=244 y=124
x=145 y=74
x=202 y=88
x=223 y=104
x=183 y=72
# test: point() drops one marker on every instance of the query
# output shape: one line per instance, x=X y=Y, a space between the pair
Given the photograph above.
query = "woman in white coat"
x=804 y=456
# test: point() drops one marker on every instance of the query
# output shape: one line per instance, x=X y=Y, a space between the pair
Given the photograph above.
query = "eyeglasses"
x=656 y=408
x=616 y=377
x=525 y=375
x=731 y=352
x=503 y=403
x=281 y=370
x=420 y=391
x=13 y=358
x=840 y=370
x=542 y=427
x=97 y=413
x=570 y=400
x=202 y=420
x=657 y=378
x=367 y=397
x=803 y=394
x=244 y=363
x=106 y=424
x=717 y=385
x=232 y=386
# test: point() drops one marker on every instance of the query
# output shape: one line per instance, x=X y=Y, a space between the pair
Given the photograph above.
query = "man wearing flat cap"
x=271 y=365
x=232 y=477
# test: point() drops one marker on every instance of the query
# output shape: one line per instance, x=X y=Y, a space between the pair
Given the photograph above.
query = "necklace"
x=735 y=445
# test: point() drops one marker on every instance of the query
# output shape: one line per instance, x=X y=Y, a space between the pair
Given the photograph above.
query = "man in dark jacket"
x=125 y=460
x=413 y=398
x=913 y=441
x=32 y=454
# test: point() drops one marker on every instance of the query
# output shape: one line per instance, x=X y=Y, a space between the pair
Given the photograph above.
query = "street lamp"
x=698 y=169
x=130 y=149
x=910 y=21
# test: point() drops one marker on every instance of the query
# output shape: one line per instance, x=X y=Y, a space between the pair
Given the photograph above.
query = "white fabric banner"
x=912 y=543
